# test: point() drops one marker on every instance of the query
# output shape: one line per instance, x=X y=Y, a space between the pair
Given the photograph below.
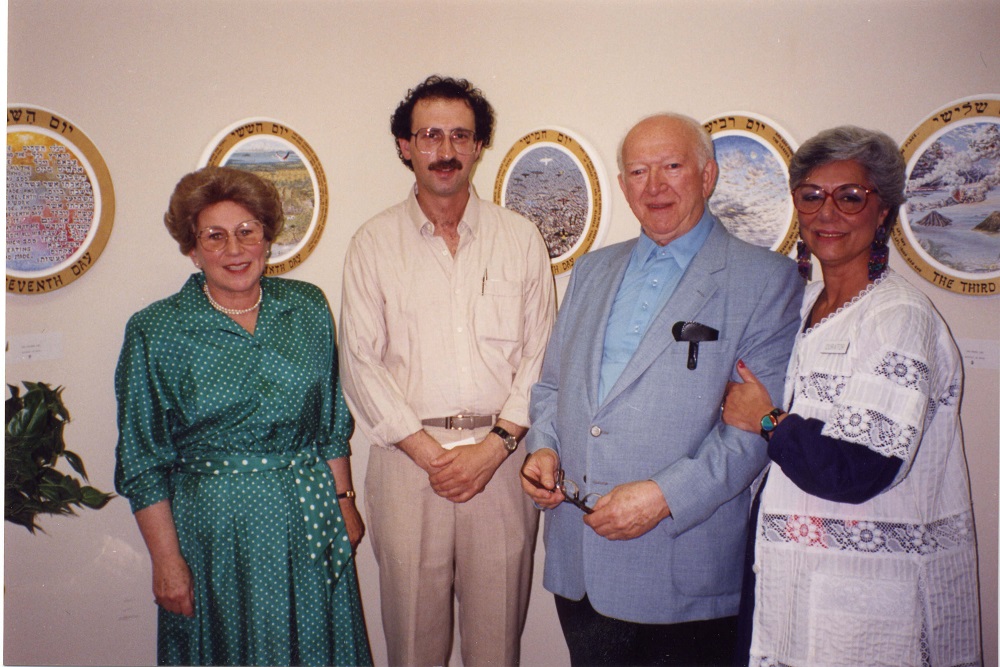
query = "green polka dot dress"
x=235 y=430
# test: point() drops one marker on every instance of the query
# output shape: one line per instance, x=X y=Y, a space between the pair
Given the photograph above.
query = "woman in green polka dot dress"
x=233 y=446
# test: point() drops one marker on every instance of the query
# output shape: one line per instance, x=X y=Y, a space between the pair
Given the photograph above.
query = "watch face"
x=768 y=423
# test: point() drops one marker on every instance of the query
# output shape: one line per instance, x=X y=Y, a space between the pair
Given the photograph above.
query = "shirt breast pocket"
x=499 y=311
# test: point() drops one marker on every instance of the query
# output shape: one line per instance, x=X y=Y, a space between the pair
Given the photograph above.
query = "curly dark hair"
x=438 y=87
x=210 y=185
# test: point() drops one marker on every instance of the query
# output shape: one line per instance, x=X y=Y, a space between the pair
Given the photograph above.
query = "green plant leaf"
x=33 y=442
x=75 y=462
x=94 y=498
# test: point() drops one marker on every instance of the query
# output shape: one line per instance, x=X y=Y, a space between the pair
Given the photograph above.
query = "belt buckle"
x=459 y=422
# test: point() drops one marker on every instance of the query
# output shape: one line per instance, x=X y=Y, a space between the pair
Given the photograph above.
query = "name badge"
x=835 y=347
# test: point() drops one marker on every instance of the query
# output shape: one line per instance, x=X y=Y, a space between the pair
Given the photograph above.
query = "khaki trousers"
x=430 y=550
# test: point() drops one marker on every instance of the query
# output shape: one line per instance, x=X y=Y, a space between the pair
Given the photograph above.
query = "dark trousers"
x=594 y=639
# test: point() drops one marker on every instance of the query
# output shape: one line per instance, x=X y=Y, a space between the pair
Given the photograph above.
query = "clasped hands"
x=456 y=474
x=627 y=511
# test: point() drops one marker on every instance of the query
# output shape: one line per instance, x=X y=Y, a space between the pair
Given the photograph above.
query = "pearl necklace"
x=231 y=311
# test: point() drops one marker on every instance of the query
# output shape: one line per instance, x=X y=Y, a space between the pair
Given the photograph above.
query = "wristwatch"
x=769 y=422
x=509 y=441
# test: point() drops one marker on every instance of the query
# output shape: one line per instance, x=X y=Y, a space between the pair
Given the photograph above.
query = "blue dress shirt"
x=652 y=274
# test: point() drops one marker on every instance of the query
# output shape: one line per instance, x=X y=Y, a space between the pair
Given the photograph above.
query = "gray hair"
x=705 y=146
x=873 y=150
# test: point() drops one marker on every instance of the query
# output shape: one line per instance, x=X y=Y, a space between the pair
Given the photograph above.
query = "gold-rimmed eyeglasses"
x=569 y=489
x=849 y=198
x=429 y=139
x=247 y=233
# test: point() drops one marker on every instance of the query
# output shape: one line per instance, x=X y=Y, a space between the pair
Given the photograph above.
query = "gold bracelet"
x=346 y=494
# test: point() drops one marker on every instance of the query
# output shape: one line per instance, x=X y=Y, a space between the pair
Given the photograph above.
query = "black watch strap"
x=769 y=422
x=509 y=441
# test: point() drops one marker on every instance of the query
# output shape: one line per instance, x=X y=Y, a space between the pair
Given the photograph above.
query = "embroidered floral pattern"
x=871 y=429
x=805 y=530
x=951 y=396
x=904 y=371
x=822 y=387
x=868 y=536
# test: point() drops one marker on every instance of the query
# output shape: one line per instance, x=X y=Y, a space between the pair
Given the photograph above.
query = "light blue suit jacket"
x=661 y=421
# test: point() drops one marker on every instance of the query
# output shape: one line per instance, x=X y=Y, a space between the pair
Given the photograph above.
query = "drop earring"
x=804 y=260
x=878 y=261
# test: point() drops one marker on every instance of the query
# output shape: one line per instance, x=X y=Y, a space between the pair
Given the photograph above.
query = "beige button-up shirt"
x=424 y=334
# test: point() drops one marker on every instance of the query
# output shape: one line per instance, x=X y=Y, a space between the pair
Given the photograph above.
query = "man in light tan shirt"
x=447 y=308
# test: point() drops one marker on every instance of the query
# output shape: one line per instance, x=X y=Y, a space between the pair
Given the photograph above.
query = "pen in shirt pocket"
x=486 y=275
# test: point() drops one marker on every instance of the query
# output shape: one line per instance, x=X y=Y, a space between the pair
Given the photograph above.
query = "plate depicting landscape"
x=953 y=198
x=550 y=178
x=949 y=229
x=273 y=151
x=751 y=197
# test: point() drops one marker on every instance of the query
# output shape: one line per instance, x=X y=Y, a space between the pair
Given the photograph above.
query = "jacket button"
x=595 y=431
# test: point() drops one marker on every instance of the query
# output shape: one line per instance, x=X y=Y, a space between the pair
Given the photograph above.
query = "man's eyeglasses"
x=214 y=239
x=569 y=489
x=850 y=198
x=429 y=139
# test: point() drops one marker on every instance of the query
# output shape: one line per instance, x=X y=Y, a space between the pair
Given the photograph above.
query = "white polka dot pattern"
x=235 y=430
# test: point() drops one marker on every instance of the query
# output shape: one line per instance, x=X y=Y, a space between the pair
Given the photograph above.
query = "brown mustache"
x=445 y=164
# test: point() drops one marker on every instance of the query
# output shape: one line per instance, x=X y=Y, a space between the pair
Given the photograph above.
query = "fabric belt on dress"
x=313 y=482
x=461 y=422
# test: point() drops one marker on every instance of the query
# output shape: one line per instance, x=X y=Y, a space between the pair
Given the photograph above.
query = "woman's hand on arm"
x=173 y=585
x=746 y=402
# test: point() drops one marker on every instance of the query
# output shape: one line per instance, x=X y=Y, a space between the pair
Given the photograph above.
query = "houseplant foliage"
x=33 y=430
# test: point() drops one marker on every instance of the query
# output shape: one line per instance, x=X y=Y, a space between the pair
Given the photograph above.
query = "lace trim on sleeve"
x=871 y=429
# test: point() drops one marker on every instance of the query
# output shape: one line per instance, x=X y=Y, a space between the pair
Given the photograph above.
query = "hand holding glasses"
x=569 y=489
x=429 y=139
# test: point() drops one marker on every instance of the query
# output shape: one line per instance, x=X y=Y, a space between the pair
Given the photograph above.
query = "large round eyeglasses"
x=849 y=198
x=429 y=139
x=248 y=233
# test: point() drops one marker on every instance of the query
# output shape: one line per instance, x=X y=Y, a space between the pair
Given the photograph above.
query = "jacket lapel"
x=696 y=287
x=599 y=295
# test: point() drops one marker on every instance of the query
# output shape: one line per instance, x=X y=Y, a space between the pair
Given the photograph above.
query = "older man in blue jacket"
x=646 y=566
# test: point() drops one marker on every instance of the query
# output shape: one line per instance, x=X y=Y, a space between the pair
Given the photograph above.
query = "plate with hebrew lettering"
x=949 y=227
x=551 y=177
x=60 y=201
x=274 y=151
x=751 y=197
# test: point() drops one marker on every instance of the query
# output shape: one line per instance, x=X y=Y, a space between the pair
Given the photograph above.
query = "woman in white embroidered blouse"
x=864 y=551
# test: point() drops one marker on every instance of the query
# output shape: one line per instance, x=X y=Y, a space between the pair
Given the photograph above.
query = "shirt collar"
x=470 y=217
x=682 y=249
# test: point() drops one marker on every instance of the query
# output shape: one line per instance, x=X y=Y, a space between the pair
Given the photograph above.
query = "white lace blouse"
x=890 y=581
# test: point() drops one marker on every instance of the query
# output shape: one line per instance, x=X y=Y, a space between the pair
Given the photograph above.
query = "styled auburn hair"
x=210 y=185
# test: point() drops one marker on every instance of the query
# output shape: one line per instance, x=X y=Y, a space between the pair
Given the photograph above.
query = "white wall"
x=152 y=83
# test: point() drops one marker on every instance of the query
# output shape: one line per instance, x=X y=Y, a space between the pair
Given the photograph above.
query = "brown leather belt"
x=461 y=422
